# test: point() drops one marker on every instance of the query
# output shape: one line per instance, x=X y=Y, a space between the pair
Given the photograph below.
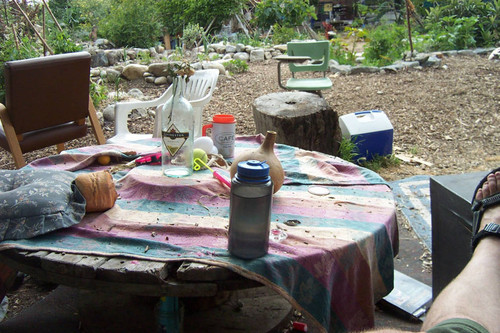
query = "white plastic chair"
x=198 y=92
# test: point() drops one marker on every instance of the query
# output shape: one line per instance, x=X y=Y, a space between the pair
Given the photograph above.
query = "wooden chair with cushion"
x=46 y=103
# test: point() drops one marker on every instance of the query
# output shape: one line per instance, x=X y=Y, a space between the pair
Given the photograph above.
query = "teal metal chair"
x=319 y=54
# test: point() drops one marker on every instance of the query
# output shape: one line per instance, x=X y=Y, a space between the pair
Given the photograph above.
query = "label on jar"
x=173 y=139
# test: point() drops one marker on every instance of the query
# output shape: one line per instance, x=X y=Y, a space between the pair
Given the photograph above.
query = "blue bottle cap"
x=253 y=171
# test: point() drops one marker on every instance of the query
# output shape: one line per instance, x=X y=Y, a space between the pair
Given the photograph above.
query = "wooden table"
x=125 y=275
x=168 y=236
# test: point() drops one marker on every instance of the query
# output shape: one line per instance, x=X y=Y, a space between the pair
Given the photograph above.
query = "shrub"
x=468 y=23
x=132 y=23
x=28 y=48
x=236 y=66
x=287 y=13
x=176 y=13
x=60 y=42
x=282 y=35
x=386 y=43
x=450 y=33
x=192 y=35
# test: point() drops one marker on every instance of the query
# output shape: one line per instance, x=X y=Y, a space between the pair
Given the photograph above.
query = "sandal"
x=478 y=209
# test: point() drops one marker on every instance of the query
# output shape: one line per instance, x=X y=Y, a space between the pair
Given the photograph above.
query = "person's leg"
x=475 y=292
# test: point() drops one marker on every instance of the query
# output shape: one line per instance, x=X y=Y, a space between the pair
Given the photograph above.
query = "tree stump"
x=301 y=119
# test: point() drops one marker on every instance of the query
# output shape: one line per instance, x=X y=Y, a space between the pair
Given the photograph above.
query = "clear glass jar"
x=177 y=133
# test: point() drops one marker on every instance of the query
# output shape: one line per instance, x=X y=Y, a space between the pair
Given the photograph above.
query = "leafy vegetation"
x=386 y=43
x=348 y=149
x=176 y=14
x=132 y=23
x=236 y=66
x=286 y=13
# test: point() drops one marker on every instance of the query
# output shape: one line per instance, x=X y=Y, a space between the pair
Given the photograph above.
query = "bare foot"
x=490 y=187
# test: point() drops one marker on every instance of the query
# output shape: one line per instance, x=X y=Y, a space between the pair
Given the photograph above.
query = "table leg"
x=169 y=315
x=279 y=76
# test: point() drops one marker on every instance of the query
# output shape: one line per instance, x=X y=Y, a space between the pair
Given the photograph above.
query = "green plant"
x=60 y=42
x=10 y=50
x=467 y=23
x=98 y=92
x=177 y=55
x=144 y=57
x=386 y=43
x=192 y=35
x=282 y=34
x=348 y=149
x=377 y=162
x=132 y=22
x=339 y=48
x=286 y=13
x=175 y=14
x=450 y=33
x=414 y=150
x=117 y=88
x=236 y=66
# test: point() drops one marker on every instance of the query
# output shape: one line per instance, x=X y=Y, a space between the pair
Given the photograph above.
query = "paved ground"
x=259 y=309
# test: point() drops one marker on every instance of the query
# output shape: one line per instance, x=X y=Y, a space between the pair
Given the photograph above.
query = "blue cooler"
x=370 y=130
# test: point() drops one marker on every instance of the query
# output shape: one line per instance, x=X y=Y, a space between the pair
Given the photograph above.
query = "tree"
x=178 y=13
x=132 y=23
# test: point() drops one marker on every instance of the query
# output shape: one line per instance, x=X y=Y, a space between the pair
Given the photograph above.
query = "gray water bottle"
x=250 y=210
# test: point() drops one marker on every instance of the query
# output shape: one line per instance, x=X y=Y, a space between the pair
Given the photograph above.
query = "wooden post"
x=53 y=17
x=408 y=15
x=33 y=27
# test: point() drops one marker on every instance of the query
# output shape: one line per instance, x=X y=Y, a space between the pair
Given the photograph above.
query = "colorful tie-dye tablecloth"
x=333 y=265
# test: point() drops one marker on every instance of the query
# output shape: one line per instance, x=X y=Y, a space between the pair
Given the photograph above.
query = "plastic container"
x=250 y=210
x=371 y=131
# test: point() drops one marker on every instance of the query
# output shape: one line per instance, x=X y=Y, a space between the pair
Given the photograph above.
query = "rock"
x=364 y=69
x=95 y=72
x=495 y=54
x=219 y=48
x=228 y=56
x=257 y=55
x=241 y=56
x=230 y=48
x=112 y=75
x=109 y=113
x=240 y=47
x=114 y=56
x=466 y=52
x=159 y=69
x=341 y=69
x=160 y=80
x=152 y=52
x=432 y=61
x=135 y=93
x=333 y=62
x=131 y=54
x=150 y=79
x=99 y=59
x=134 y=71
x=103 y=43
x=281 y=47
x=216 y=65
x=267 y=55
x=160 y=49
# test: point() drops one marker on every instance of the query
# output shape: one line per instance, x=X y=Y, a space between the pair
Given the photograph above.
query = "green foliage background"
x=132 y=23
